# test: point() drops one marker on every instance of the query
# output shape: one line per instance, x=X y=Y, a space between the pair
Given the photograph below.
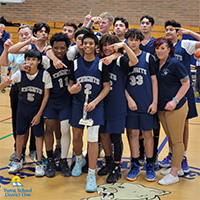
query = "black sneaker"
x=50 y=168
x=64 y=168
x=106 y=169
x=114 y=175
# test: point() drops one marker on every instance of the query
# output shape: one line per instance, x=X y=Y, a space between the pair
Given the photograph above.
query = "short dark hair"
x=34 y=53
x=159 y=41
x=92 y=36
x=123 y=20
x=172 y=23
x=71 y=24
x=39 y=26
x=57 y=37
x=108 y=39
x=134 y=33
x=151 y=19
x=82 y=30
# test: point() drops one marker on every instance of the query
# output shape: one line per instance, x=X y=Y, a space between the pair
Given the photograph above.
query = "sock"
x=91 y=171
x=108 y=159
x=50 y=154
x=79 y=158
x=150 y=160
x=58 y=142
x=135 y=160
x=185 y=154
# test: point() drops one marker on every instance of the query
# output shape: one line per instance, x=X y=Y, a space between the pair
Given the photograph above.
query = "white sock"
x=65 y=138
x=79 y=158
x=185 y=153
x=91 y=171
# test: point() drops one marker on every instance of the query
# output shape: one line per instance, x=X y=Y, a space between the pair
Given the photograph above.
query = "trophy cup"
x=84 y=120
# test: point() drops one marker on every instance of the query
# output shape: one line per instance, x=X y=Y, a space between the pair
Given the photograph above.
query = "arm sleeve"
x=189 y=46
x=16 y=77
x=124 y=63
x=105 y=74
x=47 y=80
x=71 y=75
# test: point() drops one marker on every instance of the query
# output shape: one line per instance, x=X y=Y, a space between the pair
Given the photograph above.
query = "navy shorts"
x=192 y=111
x=52 y=113
x=114 y=126
x=25 y=114
x=77 y=113
x=141 y=121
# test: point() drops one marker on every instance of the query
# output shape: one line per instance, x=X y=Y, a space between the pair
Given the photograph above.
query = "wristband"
x=177 y=101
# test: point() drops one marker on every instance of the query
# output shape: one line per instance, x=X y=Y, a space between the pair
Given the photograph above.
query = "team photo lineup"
x=103 y=83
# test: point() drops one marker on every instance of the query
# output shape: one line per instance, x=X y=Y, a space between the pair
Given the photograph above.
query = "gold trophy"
x=84 y=120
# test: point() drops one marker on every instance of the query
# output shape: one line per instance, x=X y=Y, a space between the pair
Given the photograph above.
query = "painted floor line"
x=3 y=120
x=6 y=136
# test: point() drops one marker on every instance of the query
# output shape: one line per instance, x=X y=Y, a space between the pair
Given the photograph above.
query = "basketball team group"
x=104 y=81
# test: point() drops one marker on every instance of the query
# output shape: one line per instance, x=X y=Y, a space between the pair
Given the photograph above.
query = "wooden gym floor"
x=73 y=188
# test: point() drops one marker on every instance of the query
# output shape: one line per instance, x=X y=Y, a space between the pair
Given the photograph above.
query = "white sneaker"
x=168 y=179
x=17 y=165
x=167 y=171
x=39 y=170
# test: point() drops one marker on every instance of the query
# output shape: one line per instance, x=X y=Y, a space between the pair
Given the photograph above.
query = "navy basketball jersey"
x=31 y=91
x=115 y=102
x=149 y=46
x=139 y=85
x=181 y=54
x=90 y=79
x=59 y=94
x=33 y=46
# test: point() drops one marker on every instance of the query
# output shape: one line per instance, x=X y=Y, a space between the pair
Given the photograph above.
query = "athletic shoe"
x=13 y=156
x=106 y=169
x=39 y=169
x=50 y=168
x=114 y=175
x=184 y=165
x=134 y=172
x=168 y=179
x=167 y=171
x=91 y=185
x=17 y=165
x=23 y=161
x=3 y=91
x=166 y=162
x=64 y=167
x=57 y=153
x=77 y=169
x=150 y=173
x=32 y=155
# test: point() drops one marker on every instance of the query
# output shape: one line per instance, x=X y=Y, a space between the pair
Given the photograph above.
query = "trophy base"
x=87 y=122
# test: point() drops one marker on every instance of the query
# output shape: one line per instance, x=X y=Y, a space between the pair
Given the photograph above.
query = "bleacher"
x=158 y=31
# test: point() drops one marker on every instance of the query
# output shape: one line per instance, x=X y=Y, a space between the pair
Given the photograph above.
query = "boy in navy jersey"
x=142 y=93
x=88 y=74
x=115 y=105
x=59 y=104
x=34 y=93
